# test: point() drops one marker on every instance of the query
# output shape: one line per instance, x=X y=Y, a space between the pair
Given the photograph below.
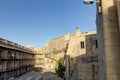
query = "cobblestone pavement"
x=33 y=75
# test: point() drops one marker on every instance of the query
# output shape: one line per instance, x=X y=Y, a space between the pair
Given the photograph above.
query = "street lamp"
x=98 y=2
x=91 y=1
x=88 y=1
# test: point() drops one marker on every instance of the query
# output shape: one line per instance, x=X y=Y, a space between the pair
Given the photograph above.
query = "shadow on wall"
x=83 y=67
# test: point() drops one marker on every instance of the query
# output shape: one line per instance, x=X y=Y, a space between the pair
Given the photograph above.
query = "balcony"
x=11 y=45
x=14 y=68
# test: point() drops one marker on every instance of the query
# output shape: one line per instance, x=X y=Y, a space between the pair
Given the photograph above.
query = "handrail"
x=51 y=58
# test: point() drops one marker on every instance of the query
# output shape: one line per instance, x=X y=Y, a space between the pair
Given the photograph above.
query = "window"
x=93 y=71
x=82 y=44
x=96 y=44
x=0 y=53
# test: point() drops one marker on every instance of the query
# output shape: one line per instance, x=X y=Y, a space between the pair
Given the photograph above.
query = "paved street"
x=33 y=75
x=50 y=76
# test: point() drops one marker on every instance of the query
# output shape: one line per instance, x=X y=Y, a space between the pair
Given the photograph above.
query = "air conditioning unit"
x=88 y=1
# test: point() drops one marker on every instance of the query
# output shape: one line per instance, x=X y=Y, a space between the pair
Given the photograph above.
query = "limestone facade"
x=39 y=58
x=88 y=68
x=108 y=25
x=54 y=51
x=82 y=56
x=73 y=48
x=77 y=43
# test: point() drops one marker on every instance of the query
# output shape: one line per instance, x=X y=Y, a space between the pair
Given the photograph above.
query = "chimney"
x=77 y=31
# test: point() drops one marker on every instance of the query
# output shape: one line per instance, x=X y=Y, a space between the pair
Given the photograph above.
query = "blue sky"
x=36 y=22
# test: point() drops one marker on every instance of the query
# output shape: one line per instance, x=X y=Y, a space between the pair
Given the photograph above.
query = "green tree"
x=61 y=68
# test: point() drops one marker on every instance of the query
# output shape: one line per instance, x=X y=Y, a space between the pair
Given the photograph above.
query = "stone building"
x=87 y=64
x=81 y=50
x=108 y=28
x=77 y=43
x=39 y=58
x=15 y=60
x=55 y=50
